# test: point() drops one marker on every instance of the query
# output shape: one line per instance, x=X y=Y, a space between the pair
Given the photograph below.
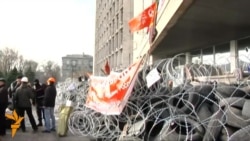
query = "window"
x=117 y=21
x=79 y=62
x=222 y=54
x=110 y=29
x=120 y=58
x=109 y=46
x=121 y=16
x=207 y=56
x=196 y=56
x=68 y=62
x=113 y=23
x=112 y=44
x=121 y=37
x=116 y=40
x=113 y=9
x=244 y=53
x=112 y=60
x=110 y=13
x=116 y=59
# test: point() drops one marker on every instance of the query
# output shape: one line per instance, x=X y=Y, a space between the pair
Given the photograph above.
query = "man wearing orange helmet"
x=49 y=104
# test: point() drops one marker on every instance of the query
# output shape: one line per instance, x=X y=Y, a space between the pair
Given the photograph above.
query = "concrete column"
x=201 y=56
x=188 y=58
x=233 y=55
x=214 y=62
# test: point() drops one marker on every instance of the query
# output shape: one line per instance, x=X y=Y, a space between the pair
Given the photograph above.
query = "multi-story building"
x=76 y=65
x=206 y=32
x=113 y=41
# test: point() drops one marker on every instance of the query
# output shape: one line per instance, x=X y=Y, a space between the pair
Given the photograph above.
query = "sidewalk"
x=39 y=136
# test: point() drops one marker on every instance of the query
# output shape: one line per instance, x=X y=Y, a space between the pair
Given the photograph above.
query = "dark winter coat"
x=50 y=96
x=23 y=96
x=3 y=96
x=39 y=94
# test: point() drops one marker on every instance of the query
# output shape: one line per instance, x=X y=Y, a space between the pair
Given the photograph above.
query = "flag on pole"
x=107 y=68
x=144 y=19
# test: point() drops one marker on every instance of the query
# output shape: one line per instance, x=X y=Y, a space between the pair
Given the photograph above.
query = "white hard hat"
x=24 y=79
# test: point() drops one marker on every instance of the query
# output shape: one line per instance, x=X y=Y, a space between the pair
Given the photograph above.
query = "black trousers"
x=20 y=111
x=40 y=113
x=2 y=120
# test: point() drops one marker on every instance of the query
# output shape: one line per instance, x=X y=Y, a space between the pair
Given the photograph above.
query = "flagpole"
x=153 y=31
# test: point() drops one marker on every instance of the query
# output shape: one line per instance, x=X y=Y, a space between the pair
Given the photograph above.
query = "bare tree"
x=8 y=59
x=20 y=63
x=51 y=69
x=30 y=64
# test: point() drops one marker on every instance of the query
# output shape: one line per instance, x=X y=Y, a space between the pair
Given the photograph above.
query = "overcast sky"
x=47 y=29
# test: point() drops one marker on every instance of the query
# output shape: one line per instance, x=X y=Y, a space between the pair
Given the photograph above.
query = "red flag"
x=107 y=68
x=143 y=20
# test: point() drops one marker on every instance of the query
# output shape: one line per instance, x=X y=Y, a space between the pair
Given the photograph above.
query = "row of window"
x=220 y=55
x=108 y=27
x=110 y=46
x=111 y=5
x=77 y=62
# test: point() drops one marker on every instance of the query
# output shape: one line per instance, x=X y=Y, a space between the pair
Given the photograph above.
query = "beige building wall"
x=113 y=41
x=166 y=10
x=140 y=38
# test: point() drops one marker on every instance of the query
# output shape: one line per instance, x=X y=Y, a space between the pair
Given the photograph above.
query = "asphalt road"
x=39 y=136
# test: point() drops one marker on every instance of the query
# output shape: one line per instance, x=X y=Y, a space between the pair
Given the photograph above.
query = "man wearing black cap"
x=39 y=95
x=3 y=106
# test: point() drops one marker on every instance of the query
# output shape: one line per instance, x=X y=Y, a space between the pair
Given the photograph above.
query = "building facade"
x=113 y=40
x=76 y=65
x=201 y=32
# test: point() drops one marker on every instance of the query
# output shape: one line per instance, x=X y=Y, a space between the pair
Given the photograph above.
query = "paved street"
x=39 y=136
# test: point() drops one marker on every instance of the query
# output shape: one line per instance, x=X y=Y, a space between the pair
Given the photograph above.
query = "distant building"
x=76 y=65
x=113 y=41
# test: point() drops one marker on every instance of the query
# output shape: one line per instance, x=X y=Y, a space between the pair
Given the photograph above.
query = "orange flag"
x=144 y=19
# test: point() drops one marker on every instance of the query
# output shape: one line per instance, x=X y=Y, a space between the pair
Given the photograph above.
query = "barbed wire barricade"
x=192 y=102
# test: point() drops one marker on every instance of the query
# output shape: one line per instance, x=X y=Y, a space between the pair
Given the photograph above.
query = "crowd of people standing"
x=21 y=95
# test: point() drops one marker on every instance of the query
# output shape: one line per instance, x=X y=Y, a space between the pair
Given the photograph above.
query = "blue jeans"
x=49 y=114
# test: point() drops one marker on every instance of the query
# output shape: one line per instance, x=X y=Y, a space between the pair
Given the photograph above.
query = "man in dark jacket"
x=49 y=104
x=14 y=85
x=22 y=99
x=3 y=106
x=39 y=95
